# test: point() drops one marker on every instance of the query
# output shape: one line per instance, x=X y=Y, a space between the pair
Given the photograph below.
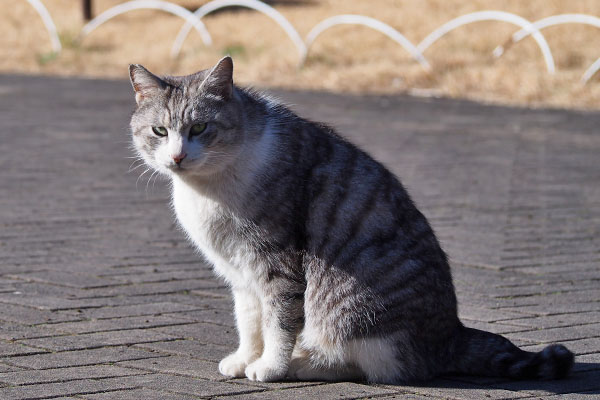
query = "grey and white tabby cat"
x=335 y=274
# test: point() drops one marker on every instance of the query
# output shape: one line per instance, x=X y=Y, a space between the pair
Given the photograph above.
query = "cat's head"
x=188 y=125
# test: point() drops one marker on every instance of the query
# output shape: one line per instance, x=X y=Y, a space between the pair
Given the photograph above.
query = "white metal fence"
x=194 y=20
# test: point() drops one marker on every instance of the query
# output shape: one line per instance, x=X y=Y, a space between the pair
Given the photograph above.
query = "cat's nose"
x=179 y=158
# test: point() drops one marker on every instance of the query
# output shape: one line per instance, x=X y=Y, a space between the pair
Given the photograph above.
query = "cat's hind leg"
x=302 y=369
x=373 y=359
x=248 y=316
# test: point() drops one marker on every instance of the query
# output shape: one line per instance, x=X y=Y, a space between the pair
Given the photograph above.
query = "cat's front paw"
x=233 y=365
x=266 y=371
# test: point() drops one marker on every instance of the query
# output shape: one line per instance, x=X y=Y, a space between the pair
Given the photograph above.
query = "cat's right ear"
x=145 y=83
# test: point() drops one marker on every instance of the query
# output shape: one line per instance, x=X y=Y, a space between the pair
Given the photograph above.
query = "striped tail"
x=485 y=353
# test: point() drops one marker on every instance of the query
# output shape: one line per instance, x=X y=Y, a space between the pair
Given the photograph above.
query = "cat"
x=334 y=272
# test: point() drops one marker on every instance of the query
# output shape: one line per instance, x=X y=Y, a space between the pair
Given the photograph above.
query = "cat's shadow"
x=584 y=380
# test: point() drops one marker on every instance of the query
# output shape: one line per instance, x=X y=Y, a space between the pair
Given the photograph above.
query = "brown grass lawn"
x=345 y=58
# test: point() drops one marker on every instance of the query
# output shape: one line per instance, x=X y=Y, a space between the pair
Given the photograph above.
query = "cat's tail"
x=485 y=353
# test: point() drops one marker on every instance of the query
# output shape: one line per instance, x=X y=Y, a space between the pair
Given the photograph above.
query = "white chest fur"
x=197 y=214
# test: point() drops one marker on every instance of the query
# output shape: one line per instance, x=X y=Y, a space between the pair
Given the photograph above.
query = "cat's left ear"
x=219 y=81
x=145 y=83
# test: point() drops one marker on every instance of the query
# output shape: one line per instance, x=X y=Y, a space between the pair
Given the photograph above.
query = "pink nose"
x=179 y=158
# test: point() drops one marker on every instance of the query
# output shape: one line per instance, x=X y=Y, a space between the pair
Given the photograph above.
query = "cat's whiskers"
x=133 y=168
x=139 y=177
x=149 y=179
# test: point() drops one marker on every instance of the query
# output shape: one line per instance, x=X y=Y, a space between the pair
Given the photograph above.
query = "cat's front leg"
x=248 y=320
x=281 y=322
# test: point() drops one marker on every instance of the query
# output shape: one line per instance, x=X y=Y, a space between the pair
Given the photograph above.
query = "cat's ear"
x=145 y=83
x=219 y=81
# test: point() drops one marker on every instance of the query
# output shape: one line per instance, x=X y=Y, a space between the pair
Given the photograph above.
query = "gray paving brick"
x=80 y=357
x=136 y=310
x=49 y=390
x=178 y=365
x=209 y=352
x=190 y=386
x=512 y=194
x=325 y=391
x=164 y=276
x=154 y=288
x=581 y=346
x=558 y=334
x=30 y=377
x=17 y=349
x=137 y=394
x=69 y=279
x=8 y=368
x=30 y=316
x=99 y=339
x=215 y=316
x=95 y=325
x=204 y=333
x=457 y=390
x=555 y=321
x=485 y=314
x=578 y=382
x=13 y=331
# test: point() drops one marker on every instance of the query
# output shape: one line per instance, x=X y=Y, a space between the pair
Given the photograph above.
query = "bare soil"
x=343 y=59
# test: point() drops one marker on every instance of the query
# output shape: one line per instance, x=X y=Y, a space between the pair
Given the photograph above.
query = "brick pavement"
x=102 y=298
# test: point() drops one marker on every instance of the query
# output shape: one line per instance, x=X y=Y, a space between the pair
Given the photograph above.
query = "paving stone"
x=80 y=357
x=346 y=390
x=209 y=352
x=125 y=323
x=578 y=382
x=190 y=386
x=587 y=362
x=555 y=321
x=561 y=334
x=13 y=331
x=31 y=377
x=49 y=390
x=204 y=333
x=136 y=310
x=61 y=278
x=8 y=368
x=99 y=339
x=485 y=314
x=214 y=316
x=177 y=365
x=458 y=390
x=30 y=316
x=137 y=394
x=17 y=349
x=581 y=346
x=164 y=276
x=100 y=266
x=154 y=288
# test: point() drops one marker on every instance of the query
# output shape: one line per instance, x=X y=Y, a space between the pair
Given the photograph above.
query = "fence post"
x=87 y=9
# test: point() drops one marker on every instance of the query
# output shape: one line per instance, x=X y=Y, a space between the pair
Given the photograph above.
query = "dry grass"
x=346 y=58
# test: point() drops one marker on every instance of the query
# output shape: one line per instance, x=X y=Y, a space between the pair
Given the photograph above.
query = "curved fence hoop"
x=48 y=22
x=171 y=8
x=350 y=19
x=492 y=16
x=252 y=4
x=591 y=71
x=550 y=21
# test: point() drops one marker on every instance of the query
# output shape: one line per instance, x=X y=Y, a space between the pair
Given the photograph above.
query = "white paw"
x=266 y=371
x=233 y=365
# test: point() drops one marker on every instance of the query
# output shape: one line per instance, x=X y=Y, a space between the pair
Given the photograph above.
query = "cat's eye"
x=160 y=131
x=197 y=129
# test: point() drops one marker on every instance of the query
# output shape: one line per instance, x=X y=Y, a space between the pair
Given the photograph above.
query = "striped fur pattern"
x=334 y=272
